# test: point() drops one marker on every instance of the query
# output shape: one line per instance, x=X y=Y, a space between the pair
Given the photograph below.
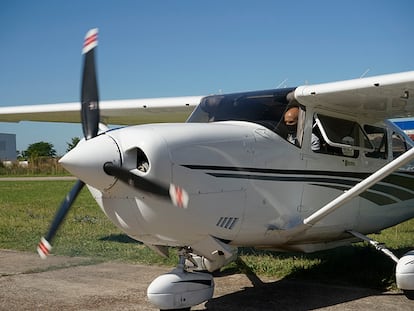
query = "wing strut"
x=348 y=195
x=378 y=246
x=360 y=187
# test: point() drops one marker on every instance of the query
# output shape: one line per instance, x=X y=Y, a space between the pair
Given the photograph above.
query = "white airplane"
x=229 y=177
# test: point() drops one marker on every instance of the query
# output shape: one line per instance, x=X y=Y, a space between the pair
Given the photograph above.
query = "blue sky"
x=175 y=48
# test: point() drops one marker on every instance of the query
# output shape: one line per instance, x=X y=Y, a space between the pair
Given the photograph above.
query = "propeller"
x=177 y=195
x=90 y=117
x=90 y=124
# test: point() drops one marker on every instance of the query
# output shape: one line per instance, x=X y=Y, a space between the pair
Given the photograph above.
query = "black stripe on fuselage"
x=393 y=188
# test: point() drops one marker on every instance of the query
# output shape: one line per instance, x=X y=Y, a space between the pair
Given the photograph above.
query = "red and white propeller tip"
x=179 y=196
x=44 y=248
x=91 y=40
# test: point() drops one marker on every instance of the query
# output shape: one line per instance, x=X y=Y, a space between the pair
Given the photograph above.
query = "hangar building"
x=8 y=147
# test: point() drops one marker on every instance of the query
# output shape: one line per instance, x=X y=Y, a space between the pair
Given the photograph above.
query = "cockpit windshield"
x=263 y=107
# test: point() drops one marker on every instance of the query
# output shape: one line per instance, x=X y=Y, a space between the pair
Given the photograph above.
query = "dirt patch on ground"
x=64 y=283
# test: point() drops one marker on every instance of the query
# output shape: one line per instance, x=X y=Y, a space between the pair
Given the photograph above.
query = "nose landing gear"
x=180 y=288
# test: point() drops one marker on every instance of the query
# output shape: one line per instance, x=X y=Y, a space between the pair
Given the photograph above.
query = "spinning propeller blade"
x=177 y=195
x=90 y=124
x=44 y=246
x=89 y=93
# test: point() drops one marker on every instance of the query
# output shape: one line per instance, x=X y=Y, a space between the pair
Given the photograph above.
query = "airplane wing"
x=122 y=112
x=377 y=98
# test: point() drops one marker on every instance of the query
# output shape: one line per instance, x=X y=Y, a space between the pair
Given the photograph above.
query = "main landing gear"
x=181 y=289
x=404 y=272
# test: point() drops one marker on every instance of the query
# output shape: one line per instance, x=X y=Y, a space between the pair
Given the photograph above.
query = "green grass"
x=26 y=211
x=27 y=208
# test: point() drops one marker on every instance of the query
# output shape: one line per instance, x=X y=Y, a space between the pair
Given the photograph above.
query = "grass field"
x=27 y=208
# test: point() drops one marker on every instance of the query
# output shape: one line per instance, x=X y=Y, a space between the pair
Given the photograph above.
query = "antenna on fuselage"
x=365 y=73
x=281 y=83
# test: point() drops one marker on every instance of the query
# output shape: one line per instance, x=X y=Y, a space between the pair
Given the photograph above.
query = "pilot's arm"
x=315 y=143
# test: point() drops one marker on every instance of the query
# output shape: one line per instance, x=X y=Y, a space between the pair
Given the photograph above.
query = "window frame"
x=343 y=146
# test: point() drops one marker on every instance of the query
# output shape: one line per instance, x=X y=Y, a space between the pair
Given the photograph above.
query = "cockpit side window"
x=378 y=137
x=341 y=137
x=399 y=145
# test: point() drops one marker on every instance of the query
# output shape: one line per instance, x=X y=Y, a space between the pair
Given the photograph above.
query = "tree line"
x=43 y=149
x=39 y=158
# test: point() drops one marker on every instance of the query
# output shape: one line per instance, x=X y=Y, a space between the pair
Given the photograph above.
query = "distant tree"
x=39 y=149
x=20 y=155
x=72 y=144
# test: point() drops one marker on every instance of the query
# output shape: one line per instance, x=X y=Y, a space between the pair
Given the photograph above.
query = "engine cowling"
x=180 y=289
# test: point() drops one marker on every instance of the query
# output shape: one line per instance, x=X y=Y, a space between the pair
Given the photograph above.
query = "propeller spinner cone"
x=86 y=161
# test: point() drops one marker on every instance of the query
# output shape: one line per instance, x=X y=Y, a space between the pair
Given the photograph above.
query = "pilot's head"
x=291 y=118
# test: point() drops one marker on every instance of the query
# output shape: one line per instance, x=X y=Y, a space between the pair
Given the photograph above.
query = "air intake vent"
x=227 y=222
x=142 y=161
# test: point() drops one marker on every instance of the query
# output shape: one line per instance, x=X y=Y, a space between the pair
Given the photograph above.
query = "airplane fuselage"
x=247 y=186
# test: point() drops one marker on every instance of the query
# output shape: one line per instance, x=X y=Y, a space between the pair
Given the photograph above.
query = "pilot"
x=291 y=121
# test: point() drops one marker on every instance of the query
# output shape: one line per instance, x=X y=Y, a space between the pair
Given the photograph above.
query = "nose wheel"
x=181 y=289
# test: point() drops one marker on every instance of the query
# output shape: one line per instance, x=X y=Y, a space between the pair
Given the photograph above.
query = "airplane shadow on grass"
x=289 y=295
x=121 y=238
x=345 y=274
